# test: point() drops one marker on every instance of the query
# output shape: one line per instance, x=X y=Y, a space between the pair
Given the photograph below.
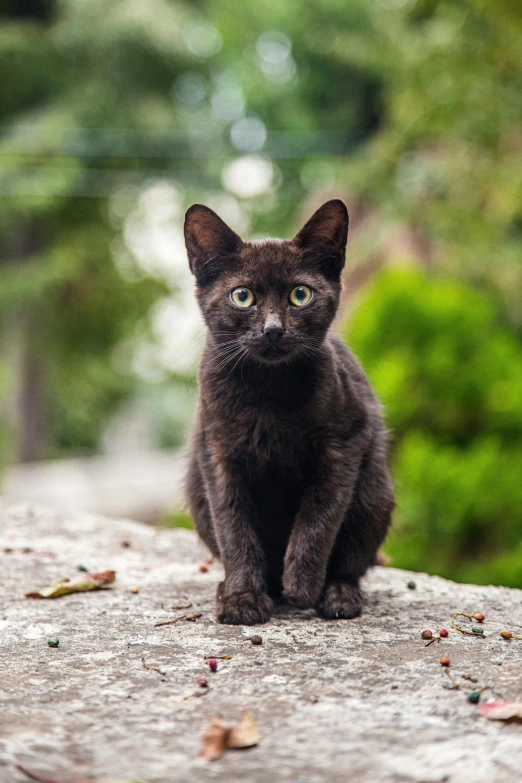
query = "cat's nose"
x=274 y=334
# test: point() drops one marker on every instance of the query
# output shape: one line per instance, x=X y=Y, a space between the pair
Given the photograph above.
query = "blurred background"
x=116 y=116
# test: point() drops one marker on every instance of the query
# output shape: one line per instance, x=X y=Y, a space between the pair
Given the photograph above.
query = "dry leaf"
x=215 y=739
x=81 y=584
x=219 y=737
x=246 y=733
x=50 y=779
x=501 y=710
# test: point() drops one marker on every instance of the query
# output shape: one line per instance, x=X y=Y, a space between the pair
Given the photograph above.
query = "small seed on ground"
x=53 y=641
x=213 y=665
x=473 y=697
x=426 y=634
x=445 y=661
x=256 y=640
x=443 y=633
x=134 y=590
x=203 y=568
x=506 y=634
x=203 y=682
x=477 y=629
x=82 y=568
x=479 y=617
x=411 y=585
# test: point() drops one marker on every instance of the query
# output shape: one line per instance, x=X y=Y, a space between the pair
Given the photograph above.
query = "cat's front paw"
x=300 y=593
x=247 y=608
x=340 y=600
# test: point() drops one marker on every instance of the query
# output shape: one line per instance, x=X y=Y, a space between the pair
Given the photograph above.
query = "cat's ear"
x=325 y=235
x=207 y=239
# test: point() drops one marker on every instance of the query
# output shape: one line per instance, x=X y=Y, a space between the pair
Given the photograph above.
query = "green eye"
x=242 y=297
x=301 y=295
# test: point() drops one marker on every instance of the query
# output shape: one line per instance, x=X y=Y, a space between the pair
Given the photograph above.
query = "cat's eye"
x=300 y=295
x=242 y=297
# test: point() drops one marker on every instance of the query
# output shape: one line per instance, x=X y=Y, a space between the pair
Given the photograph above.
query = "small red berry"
x=203 y=682
x=203 y=568
x=427 y=635
x=445 y=661
x=479 y=617
x=256 y=640
x=443 y=633
x=213 y=665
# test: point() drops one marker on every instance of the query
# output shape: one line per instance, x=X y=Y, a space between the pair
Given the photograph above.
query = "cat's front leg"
x=242 y=597
x=318 y=521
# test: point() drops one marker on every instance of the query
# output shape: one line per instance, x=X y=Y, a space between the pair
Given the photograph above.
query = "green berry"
x=477 y=629
x=53 y=641
x=411 y=585
x=82 y=568
x=473 y=697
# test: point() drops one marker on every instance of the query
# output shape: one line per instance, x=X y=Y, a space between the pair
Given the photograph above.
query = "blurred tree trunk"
x=28 y=407
x=32 y=419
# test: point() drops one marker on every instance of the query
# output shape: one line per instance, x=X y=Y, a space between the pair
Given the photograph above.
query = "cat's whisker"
x=244 y=352
x=230 y=356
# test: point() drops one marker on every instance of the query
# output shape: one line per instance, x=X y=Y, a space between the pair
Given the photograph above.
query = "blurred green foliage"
x=449 y=373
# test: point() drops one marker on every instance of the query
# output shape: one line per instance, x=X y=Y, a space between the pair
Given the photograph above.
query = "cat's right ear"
x=207 y=239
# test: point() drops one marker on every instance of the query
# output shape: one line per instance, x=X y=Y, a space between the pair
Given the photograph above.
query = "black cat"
x=288 y=483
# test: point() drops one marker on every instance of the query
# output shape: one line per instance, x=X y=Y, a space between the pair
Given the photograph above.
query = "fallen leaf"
x=219 y=737
x=50 y=779
x=215 y=739
x=246 y=733
x=42 y=778
x=80 y=584
x=501 y=710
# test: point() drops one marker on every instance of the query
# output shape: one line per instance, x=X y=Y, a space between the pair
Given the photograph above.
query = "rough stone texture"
x=354 y=701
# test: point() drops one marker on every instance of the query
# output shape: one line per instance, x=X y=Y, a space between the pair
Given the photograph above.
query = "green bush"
x=449 y=373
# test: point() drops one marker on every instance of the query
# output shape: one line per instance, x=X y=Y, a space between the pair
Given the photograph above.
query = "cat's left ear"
x=208 y=240
x=326 y=233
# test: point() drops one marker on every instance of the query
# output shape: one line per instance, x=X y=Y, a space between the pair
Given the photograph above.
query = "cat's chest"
x=262 y=437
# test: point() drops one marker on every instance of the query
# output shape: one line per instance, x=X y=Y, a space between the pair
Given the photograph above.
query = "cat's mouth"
x=273 y=353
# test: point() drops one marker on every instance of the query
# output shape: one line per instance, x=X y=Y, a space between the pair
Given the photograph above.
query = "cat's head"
x=273 y=300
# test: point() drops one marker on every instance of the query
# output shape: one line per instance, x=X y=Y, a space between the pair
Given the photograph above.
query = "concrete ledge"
x=353 y=701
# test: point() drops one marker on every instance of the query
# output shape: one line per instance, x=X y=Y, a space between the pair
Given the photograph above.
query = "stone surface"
x=361 y=700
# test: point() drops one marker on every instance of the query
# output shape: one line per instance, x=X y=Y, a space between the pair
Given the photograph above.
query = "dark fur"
x=288 y=482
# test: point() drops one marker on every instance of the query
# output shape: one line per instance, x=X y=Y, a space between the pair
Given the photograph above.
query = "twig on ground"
x=217 y=657
x=463 y=630
x=197 y=694
x=191 y=616
x=152 y=668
